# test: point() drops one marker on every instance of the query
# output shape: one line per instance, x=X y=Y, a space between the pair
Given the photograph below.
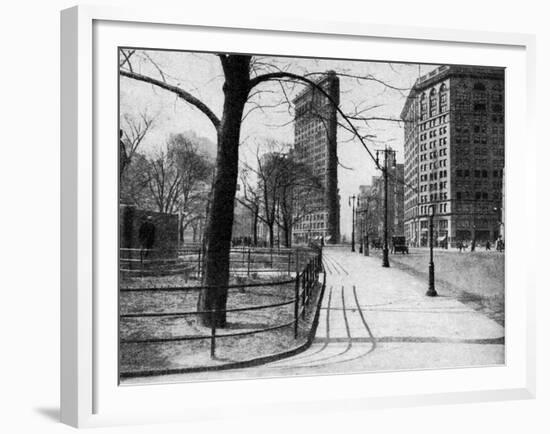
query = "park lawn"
x=141 y=357
x=474 y=278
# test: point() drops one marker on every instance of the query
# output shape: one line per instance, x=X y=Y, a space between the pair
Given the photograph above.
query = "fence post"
x=271 y=255
x=213 y=333
x=248 y=267
x=296 y=305
x=199 y=264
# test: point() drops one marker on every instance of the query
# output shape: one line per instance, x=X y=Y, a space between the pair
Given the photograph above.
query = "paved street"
x=375 y=318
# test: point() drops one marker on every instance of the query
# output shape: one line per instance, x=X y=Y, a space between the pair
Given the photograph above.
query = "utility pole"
x=386 y=152
x=352 y=199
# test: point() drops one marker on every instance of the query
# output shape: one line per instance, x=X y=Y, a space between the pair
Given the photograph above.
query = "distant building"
x=315 y=145
x=366 y=213
x=243 y=224
x=454 y=154
x=370 y=204
x=397 y=186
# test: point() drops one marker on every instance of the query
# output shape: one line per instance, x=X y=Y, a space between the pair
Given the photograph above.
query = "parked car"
x=399 y=244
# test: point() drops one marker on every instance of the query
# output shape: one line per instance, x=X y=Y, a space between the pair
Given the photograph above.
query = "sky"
x=268 y=116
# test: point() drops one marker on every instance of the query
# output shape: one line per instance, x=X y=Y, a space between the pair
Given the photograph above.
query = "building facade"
x=370 y=204
x=315 y=144
x=454 y=154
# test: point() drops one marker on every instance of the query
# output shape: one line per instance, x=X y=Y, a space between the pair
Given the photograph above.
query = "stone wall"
x=166 y=230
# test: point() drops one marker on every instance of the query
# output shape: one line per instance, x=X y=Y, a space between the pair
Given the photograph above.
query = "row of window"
x=434 y=122
x=314 y=217
x=478 y=173
x=478 y=195
x=433 y=197
x=310 y=225
x=465 y=140
x=434 y=165
x=434 y=154
x=425 y=209
x=438 y=102
x=433 y=176
x=433 y=133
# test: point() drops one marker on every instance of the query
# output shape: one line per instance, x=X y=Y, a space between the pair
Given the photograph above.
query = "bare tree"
x=133 y=131
x=195 y=171
x=134 y=183
x=298 y=182
x=281 y=184
x=164 y=183
x=243 y=77
x=270 y=172
x=251 y=200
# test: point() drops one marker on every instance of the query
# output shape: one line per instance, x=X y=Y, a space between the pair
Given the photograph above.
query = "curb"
x=244 y=363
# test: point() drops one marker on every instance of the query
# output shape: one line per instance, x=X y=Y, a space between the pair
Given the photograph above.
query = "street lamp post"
x=385 y=257
x=431 y=279
x=352 y=199
x=360 y=232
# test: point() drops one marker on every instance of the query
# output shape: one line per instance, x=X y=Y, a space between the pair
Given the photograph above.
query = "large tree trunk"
x=220 y=216
x=271 y=236
x=287 y=231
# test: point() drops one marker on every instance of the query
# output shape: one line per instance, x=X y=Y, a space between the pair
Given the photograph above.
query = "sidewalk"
x=376 y=318
x=395 y=305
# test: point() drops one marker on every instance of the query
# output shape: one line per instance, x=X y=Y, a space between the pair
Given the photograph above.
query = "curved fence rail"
x=189 y=261
x=303 y=284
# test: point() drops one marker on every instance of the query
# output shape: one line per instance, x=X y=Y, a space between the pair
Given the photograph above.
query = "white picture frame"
x=90 y=395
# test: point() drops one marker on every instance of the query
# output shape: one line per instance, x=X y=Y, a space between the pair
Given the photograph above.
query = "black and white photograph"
x=283 y=216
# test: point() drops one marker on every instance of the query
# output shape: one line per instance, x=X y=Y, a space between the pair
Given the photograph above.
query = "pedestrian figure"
x=488 y=245
x=459 y=246
x=146 y=237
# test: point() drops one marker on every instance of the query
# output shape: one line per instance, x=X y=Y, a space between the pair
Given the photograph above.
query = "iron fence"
x=189 y=261
x=304 y=283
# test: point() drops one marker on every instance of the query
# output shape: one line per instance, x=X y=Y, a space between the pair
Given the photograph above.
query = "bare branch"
x=178 y=91
x=288 y=75
x=127 y=57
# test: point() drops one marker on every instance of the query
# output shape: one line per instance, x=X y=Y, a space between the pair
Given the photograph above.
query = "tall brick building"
x=315 y=144
x=454 y=154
